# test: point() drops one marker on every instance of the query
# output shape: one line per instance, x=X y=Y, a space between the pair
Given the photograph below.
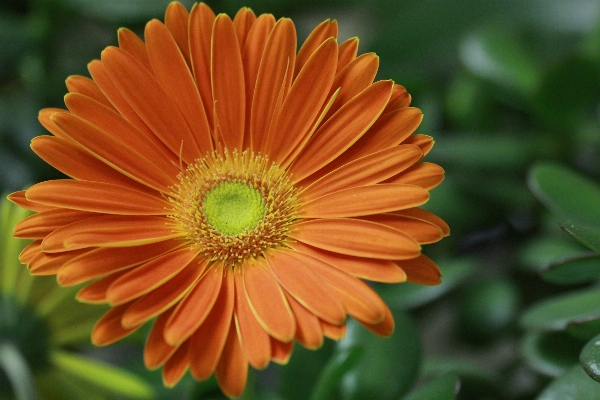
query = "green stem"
x=16 y=369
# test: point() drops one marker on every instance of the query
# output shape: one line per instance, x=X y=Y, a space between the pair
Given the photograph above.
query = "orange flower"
x=234 y=189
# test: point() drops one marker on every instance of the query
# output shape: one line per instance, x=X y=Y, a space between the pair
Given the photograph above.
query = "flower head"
x=233 y=189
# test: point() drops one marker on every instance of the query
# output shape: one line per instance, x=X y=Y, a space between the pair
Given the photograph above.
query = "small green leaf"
x=589 y=236
x=550 y=353
x=540 y=252
x=573 y=270
x=566 y=193
x=558 y=313
x=444 y=387
x=590 y=358
x=388 y=366
x=575 y=385
x=103 y=376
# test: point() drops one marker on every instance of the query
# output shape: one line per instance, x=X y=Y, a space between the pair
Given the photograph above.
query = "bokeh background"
x=510 y=90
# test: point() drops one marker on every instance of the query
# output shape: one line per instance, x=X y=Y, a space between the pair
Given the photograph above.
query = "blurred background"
x=510 y=90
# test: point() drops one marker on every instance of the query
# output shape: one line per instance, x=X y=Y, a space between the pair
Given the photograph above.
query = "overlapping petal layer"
x=206 y=100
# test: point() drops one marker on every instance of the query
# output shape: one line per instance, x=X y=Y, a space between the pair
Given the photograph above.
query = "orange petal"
x=421 y=270
x=243 y=21
x=347 y=52
x=278 y=58
x=193 y=310
x=206 y=344
x=424 y=174
x=325 y=30
x=40 y=225
x=96 y=292
x=97 y=197
x=19 y=199
x=44 y=119
x=112 y=152
x=30 y=251
x=149 y=276
x=251 y=58
x=156 y=350
x=426 y=216
x=232 y=369
x=176 y=366
x=267 y=302
x=113 y=124
x=303 y=102
x=356 y=238
x=228 y=88
x=308 y=329
x=333 y=332
x=424 y=142
x=108 y=329
x=131 y=43
x=389 y=130
x=98 y=71
x=281 y=351
x=384 y=328
x=172 y=72
x=163 y=297
x=353 y=79
x=400 y=99
x=87 y=87
x=49 y=264
x=359 y=300
x=364 y=200
x=365 y=268
x=72 y=160
x=106 y=260
x=150 y=101
x=109 y=231
x=254 y=340
x=177 y=20
x=344 y=128
x=305 y=286
x=200 y=37
x=367 y=170
x=422 y=231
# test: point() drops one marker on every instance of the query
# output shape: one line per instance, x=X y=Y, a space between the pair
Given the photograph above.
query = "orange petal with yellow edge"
x=422 y=231
x=108 y=329
x=424 y=142
x=281 y=351
x=400 y=99
x=325 y=30
x=254 y=340
x=149 y=276
x=425 y=215
x=30 y=251
x=365 y=268
x=308 y=329
x=95 y=293
x=305 y=286
x=206 y=344
x=268 y=302
x=424 y=174
x=232 y=369
x=38 y=226
x=49 y=264
x=176 y=366
x=347 y=52
x=421 y=270
x=132 y=44
x=384 y=328
x=177 y=21
x=97 y=197
x=87 y=87
x=193 y=310
x=19 y=199
x=333 y=332
x=356 y=237
x=156 y=350
x=243 y=21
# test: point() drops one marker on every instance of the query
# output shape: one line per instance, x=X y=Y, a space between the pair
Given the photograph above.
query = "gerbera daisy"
x=234 y=189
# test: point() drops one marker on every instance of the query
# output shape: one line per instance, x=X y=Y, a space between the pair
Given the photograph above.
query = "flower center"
x=233 y=207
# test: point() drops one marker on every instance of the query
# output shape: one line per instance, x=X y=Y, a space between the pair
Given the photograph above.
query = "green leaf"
x=539 y=253
x=409 y=295
x=590 y=358
x=573 y=385
x=589 y=236
x=550 y=353
x=330 y=378
x=388 y=366
x=566 y=193
x=573 y=270
x=444 y=387
x=558 y=313
x=103 y=376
